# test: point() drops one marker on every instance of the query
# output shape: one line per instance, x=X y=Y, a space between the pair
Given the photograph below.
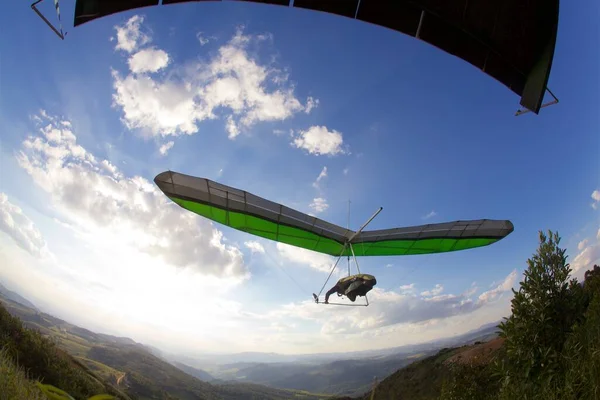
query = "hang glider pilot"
x=352 y=286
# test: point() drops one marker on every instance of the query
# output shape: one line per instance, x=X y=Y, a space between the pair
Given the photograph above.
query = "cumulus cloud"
x=129 y=35
x=596 y=198
x=588 y=255
x=148 y=60
x=472 y=290
x=389 y=308
x=20 y=228
x=319 y=261
x=319 y=204
x=505 y=286
x=164 y=149
x=318 y=140
x=96 y=198
x=232 y=128
x=322 y=175
x=231 y=85
x=255 y=247
x=310 y=104
x=433 y=292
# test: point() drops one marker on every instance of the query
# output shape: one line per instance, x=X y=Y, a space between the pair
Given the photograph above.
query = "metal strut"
x=525 y=111
x=347 y=244
x=59 y=34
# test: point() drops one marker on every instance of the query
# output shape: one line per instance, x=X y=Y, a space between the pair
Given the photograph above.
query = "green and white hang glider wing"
x=249 y=213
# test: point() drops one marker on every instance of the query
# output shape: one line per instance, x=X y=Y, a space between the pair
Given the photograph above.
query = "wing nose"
x=164 y=181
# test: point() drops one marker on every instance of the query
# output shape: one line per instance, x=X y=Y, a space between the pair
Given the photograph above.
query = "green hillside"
x=84 y=363
x=27 y=350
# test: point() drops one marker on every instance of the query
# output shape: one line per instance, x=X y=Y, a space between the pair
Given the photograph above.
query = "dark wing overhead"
x=511 y=41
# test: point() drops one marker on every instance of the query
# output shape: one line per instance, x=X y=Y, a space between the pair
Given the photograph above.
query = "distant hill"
x=318 y=373
x=218 y=361
x=195 y=372
x=17 y=298
x=341 y=378
x=121 y=364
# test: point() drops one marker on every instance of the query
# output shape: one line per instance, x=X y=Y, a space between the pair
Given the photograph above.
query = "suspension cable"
x=304 y=291
x=333 y=269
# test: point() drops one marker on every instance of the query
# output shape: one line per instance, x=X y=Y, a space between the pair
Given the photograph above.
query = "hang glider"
x=250 y=213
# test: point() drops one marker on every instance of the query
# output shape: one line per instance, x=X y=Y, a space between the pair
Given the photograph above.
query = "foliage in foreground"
x=552 y=338
x=14 y=383
x=42 y=360
x=54 y=393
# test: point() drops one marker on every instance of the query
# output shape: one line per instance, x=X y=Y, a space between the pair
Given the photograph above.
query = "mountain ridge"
x=16 y=297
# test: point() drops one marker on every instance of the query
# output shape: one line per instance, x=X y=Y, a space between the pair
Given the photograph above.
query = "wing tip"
x=510 y=227
x=163 y=180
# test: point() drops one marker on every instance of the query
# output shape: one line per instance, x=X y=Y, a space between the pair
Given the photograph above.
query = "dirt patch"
x=477 y=354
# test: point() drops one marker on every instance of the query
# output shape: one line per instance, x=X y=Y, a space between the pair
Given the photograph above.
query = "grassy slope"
x=105 y=364
x=423 y=379
x=44 y=361
x=14 y=384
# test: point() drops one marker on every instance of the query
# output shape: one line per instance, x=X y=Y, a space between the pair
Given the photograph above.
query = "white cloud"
x=159 y=108
x=319 y=204
x=596 y=198
x=311 y=103
x=393 y=310
x=231 y=85
x=232 y=128
x=254 y=246
x=322 y=175
x=346 y=170
x=319 y=261
x=123 y=210
x=472 y=290
x=164 y=149
x=20 y=228
x=318 y=140
x=148 y=60
x=204 y=39
x=505 y=286
x=129 y=35
x=589 y=254
x=431 y=214
x=433 y=292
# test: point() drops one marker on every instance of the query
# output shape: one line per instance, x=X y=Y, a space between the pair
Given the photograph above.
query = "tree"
x=582 y=350
x=591 y=281
x=544 y=311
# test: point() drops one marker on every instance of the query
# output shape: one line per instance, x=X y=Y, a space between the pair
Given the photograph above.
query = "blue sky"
x=269 y=99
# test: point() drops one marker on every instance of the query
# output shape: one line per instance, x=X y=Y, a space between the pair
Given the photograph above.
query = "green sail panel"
x=249 y=213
